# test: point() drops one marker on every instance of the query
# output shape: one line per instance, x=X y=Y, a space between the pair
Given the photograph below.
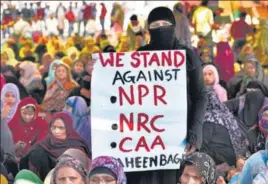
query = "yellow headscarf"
x=68 y=61
x=3 y=179
x=73 y=52
x=90 y=46
x=104 y=43
x=11 y=56
x=262 y=36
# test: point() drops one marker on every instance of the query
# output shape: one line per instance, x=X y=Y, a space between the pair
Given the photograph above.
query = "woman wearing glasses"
x=107 y=170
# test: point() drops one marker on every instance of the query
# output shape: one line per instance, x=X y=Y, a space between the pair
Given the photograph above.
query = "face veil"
x=163 y=37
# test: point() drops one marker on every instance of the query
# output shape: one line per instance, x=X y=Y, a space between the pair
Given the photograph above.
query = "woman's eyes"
x=73 y=178
x=61 y=128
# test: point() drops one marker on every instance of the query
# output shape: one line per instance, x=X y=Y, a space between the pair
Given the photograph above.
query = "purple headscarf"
x=112 y=164
x=81 y=118
x=263 y=123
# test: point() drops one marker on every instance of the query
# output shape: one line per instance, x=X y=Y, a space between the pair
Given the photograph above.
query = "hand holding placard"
x=146 y=111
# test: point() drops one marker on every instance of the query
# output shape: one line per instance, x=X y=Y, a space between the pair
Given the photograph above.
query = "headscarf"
x=68 y=61
x=81 y=117
x=256 y=164
x=56 y=147
x=27 y=177
x=81 y=156
x=255 y=84
x=9 y=87
x=7 y=141
x=218 y=113
x=204 y=163
x=74 y=153
x=73 y=51
x=263 y=124
x=220 y=91
x=2 y=82
x=14 y=80
x=31 y=132
x=73 y=163
x=70 y=83
x=11 y=57
x=51 y=71
x=112 y=164
x=163 y=37
x=260 y=75
x=78 y=77
x=30 y=72
x=3 y=179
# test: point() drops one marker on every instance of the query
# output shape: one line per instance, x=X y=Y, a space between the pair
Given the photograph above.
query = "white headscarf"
x=30 y=72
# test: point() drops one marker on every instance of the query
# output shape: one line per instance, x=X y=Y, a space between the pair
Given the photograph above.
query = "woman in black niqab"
x=247 y=107
x=163 y=37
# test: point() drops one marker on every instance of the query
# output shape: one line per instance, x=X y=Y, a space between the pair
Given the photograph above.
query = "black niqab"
x=258 y=85
x=162 y=38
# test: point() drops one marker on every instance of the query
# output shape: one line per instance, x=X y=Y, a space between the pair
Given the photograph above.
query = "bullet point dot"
x=113 y=99
x=114 y=127
x=113 y=145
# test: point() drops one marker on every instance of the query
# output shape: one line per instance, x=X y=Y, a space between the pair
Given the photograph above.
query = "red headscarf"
x=31 y=132
x=57 y=147
x=3 y=82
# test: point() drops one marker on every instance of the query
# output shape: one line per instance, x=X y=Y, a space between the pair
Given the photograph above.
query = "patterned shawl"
x=218 y=113
x=113 y=164
x=204 y=163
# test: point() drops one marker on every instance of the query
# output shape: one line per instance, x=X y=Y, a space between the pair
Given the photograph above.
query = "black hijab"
x=258 y=85
x=164 y=38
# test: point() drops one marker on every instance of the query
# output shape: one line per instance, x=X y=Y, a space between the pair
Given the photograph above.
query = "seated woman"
x=79 y=111
x=211 y=78
x=10 y=98
x=223 y=139
x=262 y=126
x=61 y=138
x=31 y=79
x=78 y=71
x=107 y=169
x=26 y=127
x=84 y=89
x=246 y=108
x=51 y=72
x=46 y=60
x=69 y=169
x=199 y=168
x=14 y=80
x=252 y=71
x=74 y=153
x=59 y=89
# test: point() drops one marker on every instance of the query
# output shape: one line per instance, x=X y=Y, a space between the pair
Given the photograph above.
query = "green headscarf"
x=26 y=176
